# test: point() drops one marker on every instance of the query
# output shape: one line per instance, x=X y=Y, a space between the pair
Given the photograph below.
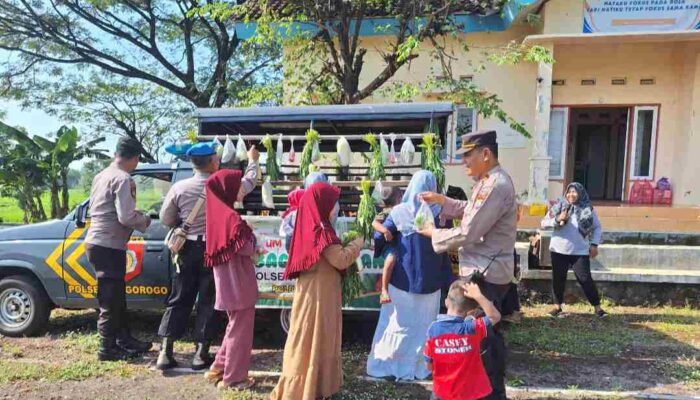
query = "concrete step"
x=640 y=238
x=626 y=275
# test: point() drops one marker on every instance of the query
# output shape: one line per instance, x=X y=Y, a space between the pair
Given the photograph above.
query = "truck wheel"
x=24 y=307
x=285 y=317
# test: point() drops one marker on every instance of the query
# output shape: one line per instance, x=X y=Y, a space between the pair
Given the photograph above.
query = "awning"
x=354 y=112
x=613 y=38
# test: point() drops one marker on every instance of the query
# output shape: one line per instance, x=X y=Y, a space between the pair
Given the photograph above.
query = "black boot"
x=132 y=345
x=165 y=358
x=109 y=351
x=201 y=359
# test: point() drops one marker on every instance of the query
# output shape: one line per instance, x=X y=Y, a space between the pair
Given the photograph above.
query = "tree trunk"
x=63 y=210
x=55 y=203
x=41 y=214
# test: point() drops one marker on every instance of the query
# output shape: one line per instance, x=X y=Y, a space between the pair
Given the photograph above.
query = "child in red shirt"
x=454 y=341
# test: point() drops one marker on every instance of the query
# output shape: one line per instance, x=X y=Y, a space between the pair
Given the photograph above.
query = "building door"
x=597 y=143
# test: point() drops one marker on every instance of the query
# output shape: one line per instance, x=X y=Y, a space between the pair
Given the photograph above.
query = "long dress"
x=418 y=276
x=312 y=365
x=236 y=293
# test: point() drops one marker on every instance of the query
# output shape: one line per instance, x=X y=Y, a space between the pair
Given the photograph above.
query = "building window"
x=644 y=142
x=556 y=145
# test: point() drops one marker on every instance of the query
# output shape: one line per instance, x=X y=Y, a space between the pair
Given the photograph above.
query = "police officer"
x=114 y=217
x=486 y=236
x=193 y=282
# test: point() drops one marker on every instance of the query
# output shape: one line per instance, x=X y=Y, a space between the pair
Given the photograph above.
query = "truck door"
x=147 y=268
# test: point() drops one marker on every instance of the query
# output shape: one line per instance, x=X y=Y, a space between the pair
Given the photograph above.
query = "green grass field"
x=10 y=213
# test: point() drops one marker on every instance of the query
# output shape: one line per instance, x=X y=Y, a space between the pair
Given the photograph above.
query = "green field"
x=10 y=213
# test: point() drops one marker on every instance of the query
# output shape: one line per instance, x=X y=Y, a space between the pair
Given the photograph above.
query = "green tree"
x=59 y=154
x=88 y=172
x=325 y=55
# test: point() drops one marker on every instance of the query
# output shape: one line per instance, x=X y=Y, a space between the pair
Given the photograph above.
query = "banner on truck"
x=617 y=16
x=269 y=268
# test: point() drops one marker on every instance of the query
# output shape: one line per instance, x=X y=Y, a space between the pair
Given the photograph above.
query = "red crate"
x=642 y=192
x=663 y=197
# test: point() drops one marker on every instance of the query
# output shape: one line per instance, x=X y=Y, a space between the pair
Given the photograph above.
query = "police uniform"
x=194 y=281
x=486 y=239
x=113 y=217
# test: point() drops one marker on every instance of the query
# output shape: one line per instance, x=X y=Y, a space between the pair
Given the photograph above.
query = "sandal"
x=601 y=313
x=384 y=299
x=213 y=376
x=556 y=313
x=242 y=385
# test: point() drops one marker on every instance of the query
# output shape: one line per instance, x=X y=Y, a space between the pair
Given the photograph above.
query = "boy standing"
x=454 y=342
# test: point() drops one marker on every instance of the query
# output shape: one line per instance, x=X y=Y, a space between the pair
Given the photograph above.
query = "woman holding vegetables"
x=416 y=281
x=312 y=364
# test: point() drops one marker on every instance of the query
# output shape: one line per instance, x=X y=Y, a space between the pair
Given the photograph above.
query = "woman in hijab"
x=289 y=216
x=577 y=233
x=312 y=364
x=416 y=281
x=230 y=247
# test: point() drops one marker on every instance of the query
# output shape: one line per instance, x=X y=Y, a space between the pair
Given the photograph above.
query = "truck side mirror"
x=81 y=214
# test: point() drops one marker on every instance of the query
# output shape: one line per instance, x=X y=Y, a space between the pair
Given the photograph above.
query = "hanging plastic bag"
x=392 y=149
x=316 y=153
x=384 y=149
x=218 y=146
x=229 y=151
x=344 y=152
x=378 y=192
x=241 y=151
x=267 y=198
x=280 y=149
x=292 y=153
x=424 y=218
x=663 y=184
x=407 y=152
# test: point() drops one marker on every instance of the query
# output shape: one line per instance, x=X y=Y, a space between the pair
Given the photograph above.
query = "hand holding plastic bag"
x=424 y=218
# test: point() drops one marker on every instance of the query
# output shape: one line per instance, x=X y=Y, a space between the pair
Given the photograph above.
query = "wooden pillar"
x=539 y=160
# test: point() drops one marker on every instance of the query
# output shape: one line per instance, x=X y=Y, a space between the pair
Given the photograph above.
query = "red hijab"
x=227 y=233
x=294 y=198
x=312 y=221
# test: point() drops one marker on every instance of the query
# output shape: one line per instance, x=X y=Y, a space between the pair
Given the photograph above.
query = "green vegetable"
x=352 y=282
x=366 y=211
x=376 y=163
x=419 y=221
x=271 y=167
x=430 y=158
x=312 y=137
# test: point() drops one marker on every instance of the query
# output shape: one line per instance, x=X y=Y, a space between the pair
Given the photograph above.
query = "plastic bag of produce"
x=392 y=149
x=424 y=218
x=316 y=153
x=241 y=151
x=384 y=149
x=229 y=151
x=280 y=149
x=377 y=192
x=344 y=152
x=292 y=153
x=407 y=152
x=267 y=197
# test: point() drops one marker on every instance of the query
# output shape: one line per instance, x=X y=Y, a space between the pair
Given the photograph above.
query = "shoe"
x=213 y=376
x=601 y=313
x=515 y=318
x=556 y=313
x=202 y=359
x=109 y=351
x=132 y=345
x=165 y=357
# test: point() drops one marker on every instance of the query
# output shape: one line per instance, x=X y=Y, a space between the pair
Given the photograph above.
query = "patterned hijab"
x=314 y=177
x=583 y=208
x=404 y=214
